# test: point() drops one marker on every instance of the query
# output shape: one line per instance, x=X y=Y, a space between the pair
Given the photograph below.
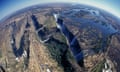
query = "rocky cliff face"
x=31 y=42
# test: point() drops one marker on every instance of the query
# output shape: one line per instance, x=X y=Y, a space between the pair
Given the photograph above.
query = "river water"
x=73 y=42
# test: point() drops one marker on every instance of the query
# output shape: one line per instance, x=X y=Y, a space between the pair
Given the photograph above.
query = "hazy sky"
x=9 y=6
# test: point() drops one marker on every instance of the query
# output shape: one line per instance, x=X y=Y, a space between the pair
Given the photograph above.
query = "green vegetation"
x=56 y=50
x=61 y=54
x=57 y=47
x=60 y=37
x=70 y=55
x=50 y=22
x=99 y=67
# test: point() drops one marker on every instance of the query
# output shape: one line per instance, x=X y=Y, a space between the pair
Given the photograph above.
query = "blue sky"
x=9 y=6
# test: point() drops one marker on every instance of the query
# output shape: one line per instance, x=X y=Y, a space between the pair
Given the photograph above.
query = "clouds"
x=9 y=6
